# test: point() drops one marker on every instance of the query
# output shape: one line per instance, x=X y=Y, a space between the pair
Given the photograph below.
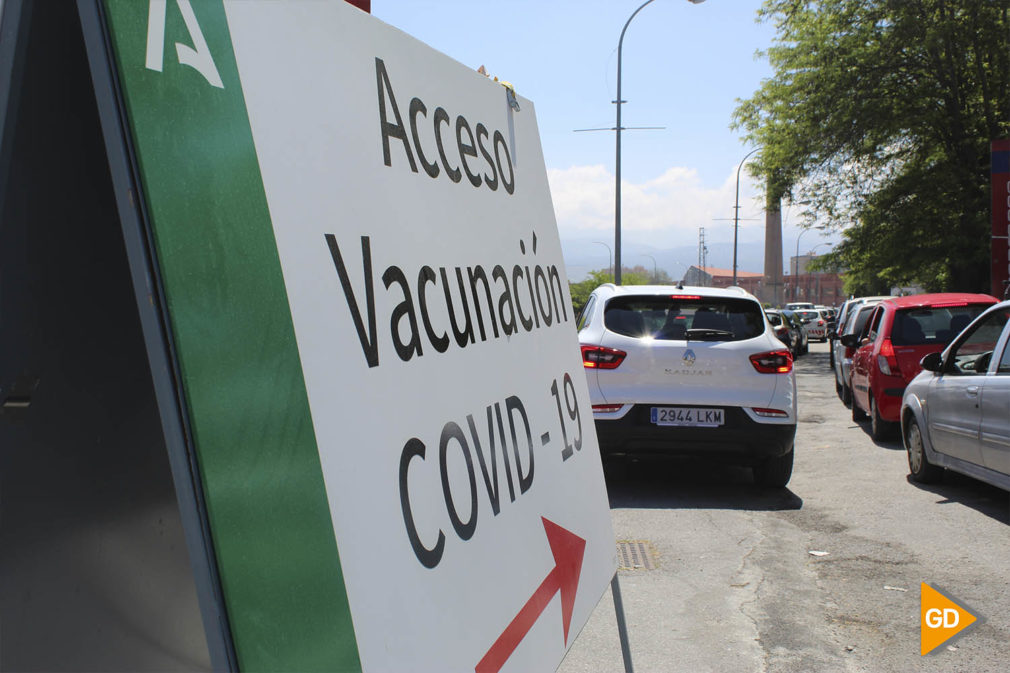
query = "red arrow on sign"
x=568 y=550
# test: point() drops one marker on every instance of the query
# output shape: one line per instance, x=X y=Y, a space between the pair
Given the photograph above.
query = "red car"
x=899 y=333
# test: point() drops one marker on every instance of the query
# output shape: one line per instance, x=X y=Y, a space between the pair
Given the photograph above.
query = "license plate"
x=687 y=416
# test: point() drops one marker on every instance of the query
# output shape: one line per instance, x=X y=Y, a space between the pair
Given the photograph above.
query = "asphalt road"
x=736 y=588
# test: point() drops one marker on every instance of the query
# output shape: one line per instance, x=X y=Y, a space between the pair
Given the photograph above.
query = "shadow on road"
x=980 y=496
x=893 y=444
x=683 y=483
x=812 y=364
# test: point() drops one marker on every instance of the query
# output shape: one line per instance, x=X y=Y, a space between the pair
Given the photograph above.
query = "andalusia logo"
x=940 y=619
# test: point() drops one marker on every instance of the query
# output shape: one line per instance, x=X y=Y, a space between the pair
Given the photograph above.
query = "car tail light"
x=820 y=323
x=685 y=296
x=771 y=413
x=886 y=361
x=598 y=357
x=949 y=304
x=773 y=362
x=607 y=408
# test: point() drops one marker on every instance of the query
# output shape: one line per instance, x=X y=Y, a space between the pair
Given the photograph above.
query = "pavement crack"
x=750 y=576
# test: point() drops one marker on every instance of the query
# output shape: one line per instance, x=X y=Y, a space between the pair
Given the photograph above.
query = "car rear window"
x=676 y=318
x=932 y=325
x=807 y=316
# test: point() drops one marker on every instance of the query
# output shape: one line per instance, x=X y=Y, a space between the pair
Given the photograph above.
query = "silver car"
x=956 y=413
x=837 y=328
x=858 y=314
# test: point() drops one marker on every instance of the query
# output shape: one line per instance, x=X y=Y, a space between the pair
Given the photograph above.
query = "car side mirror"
x=849 y=340
x=932 y=362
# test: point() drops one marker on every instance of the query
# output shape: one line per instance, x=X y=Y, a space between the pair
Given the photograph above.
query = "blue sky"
x=684 y=68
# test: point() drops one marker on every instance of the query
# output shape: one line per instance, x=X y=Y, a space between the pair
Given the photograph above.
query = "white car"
x=689 y=371
x=814 y=323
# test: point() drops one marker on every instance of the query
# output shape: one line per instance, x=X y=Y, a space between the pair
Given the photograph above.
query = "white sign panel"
x=424 y=273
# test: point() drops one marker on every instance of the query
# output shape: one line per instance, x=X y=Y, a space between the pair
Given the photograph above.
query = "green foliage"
x=580 y=291
x=629 y=276
x=878 y=121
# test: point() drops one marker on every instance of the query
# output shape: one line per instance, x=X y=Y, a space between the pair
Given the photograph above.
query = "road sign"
x=364 y=283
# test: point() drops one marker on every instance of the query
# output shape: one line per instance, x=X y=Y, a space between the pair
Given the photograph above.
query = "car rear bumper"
x=740 y=437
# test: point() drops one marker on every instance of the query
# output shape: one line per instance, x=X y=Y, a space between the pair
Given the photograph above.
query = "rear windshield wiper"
x=705 y=333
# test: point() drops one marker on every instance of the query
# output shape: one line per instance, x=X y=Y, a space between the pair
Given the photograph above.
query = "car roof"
x=860 y=300
x=924 y=300
x=674 y=290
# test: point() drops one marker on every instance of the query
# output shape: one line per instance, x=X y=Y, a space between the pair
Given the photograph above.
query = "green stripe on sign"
x=233 y=335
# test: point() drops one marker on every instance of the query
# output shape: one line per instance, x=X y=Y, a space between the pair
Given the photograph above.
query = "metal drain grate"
x=635 y=555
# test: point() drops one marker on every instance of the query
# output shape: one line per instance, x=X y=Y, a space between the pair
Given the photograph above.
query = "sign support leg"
x=622 y=626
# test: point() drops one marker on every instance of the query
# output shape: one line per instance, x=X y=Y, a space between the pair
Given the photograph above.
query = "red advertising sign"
x=1000 y=172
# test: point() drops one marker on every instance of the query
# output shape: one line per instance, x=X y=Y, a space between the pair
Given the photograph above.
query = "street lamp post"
x=655 y=271
x=797 y=257
x=811 y=252
x=817 y=281
x=610 y=254
x=617 y=129
x=796 y=270
x=736 y=210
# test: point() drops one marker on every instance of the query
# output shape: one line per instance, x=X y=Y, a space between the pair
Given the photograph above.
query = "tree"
x=877 y=121
x=580 y=291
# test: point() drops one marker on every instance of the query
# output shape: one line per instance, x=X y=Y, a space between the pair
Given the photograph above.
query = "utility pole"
x=702 y=253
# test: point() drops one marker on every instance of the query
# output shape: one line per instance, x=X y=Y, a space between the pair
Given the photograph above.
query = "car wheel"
x=774 y=472
x=846 y=395
x=879 y=428
x=922 y=471
x=838 y=390
x=857 y=413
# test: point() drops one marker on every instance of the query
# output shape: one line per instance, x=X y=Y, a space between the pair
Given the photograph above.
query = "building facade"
x=707 y=276
x=816 y=287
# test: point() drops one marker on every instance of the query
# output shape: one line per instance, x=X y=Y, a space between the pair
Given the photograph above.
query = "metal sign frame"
x=150 y=297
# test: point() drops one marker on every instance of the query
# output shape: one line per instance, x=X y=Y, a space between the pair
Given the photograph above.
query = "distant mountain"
x=585 y=255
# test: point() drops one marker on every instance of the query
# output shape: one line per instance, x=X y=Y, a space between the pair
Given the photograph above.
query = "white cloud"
x=665 y=211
